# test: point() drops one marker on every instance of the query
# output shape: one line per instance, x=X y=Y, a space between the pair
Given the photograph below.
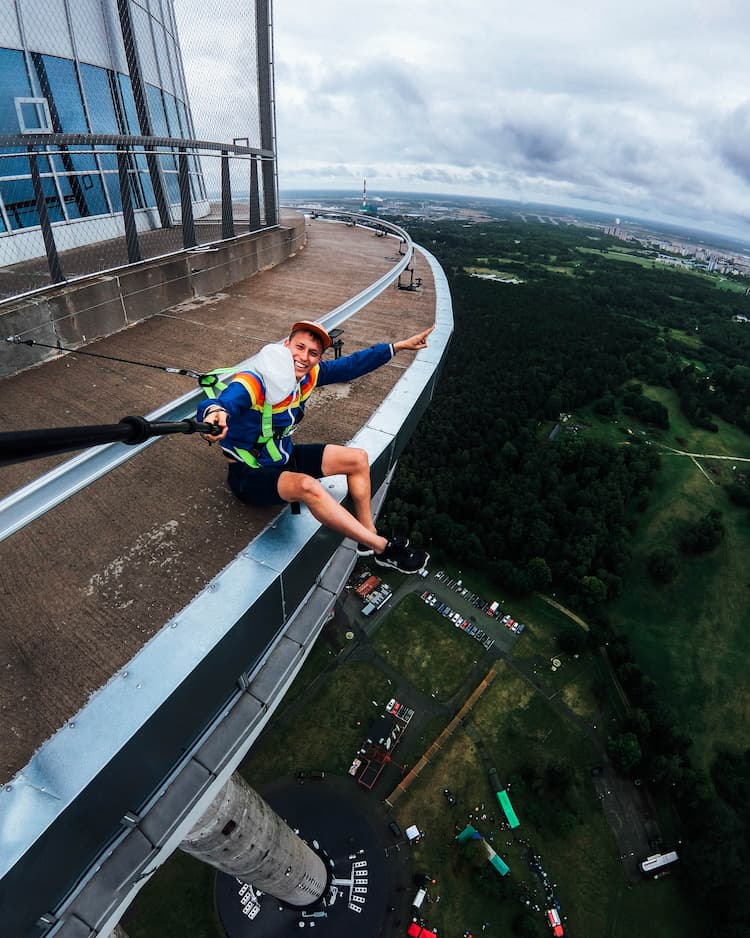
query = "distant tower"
x=368 y=208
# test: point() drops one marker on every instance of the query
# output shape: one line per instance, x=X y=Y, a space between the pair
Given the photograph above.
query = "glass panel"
x=159 y=126
x=172 y=184
x=101 y=107
x=20 y=204
x=108 y=161
x=145 y=179
x=15 y=165
x=172 y=118
x=130 y=117
x=90 y=191
x=182 y=114
x=59 y=84
x=14 y=83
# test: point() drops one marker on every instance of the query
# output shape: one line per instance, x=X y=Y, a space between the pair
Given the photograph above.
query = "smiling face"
x=306 y=349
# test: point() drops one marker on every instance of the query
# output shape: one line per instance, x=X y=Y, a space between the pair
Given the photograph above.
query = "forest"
x=481 y=477
x=493 y=474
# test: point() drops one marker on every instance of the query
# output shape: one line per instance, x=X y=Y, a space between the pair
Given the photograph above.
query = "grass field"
x=176 y=902
x=693 y=635
x=323 y=732
x=420 y=643
x=517 y=727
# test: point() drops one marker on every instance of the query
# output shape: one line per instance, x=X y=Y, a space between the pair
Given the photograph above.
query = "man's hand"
x=218 y=418
x=413 y=343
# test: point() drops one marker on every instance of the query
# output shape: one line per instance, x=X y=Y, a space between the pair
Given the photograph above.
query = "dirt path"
x=564 y=609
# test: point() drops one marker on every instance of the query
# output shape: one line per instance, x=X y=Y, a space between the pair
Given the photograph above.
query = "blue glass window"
x=59 y=84
x=101 y=107
x=159 y=126
x=20 y=203
x=130 y=117
x=140 y=181
x=82 y=188
x=14 y=83
x=173 y=120
x=145 y=180
x=184 y=125
x=77 y=172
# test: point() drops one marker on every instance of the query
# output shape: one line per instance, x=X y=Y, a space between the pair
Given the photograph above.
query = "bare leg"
x=355 y=465
x=298 y=487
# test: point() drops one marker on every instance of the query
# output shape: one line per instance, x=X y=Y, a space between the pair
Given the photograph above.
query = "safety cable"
x=188 y=372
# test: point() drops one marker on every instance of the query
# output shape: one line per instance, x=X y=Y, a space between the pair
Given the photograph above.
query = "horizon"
x=617 y=218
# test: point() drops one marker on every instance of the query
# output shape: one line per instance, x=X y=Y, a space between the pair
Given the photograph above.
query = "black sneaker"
x=364 y=551
x=399 y=557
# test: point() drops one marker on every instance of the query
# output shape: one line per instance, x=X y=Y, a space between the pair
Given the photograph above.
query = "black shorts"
x=260 y=487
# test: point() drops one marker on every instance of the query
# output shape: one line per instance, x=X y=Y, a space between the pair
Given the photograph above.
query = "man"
x=260 y=408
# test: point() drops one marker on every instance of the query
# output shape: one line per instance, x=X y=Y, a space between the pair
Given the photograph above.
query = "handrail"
x=41 y=139
x=36 y=498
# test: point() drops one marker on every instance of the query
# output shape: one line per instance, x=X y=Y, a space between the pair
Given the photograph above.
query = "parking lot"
x=485 y=621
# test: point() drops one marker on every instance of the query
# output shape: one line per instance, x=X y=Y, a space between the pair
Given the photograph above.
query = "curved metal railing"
x=38 y=497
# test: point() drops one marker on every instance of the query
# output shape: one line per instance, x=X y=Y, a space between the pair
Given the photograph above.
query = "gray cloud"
x=640 y=106
x=734 y=143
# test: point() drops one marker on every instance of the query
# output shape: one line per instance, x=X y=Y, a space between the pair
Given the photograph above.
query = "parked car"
x=395 y=830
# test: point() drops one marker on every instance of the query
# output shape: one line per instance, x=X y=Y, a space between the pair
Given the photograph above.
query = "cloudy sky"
x=640 y=108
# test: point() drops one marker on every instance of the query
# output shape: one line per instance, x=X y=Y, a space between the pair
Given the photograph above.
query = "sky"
x=641 y=108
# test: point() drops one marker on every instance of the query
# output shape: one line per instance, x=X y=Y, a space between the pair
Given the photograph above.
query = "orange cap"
x=307 y=325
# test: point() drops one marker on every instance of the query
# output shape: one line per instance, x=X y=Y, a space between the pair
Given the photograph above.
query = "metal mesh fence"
x=129 y=129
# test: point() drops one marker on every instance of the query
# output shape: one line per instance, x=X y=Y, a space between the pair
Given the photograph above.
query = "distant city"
x=680 y=247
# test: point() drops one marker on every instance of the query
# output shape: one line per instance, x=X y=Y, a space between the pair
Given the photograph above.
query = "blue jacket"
x=244 y=397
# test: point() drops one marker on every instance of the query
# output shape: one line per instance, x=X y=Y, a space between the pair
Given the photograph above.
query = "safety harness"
x=213 y=386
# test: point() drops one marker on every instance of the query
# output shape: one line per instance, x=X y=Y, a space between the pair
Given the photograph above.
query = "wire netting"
x=113 y=77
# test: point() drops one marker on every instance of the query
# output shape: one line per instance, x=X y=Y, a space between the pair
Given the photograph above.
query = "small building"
x=367 y=586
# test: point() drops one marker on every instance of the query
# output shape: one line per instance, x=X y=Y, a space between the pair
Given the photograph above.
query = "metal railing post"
x=188 y=225
x=53 y=258
x=254 y=217
x=266 y=108
x=128 y=215
x=227 y=218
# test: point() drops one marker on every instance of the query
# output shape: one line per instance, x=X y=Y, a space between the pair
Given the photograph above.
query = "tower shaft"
x=240 y=834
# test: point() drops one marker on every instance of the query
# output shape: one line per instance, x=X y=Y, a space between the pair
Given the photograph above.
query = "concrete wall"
x=77 y=313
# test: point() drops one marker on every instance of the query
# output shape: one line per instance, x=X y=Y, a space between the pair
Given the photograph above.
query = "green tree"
x=593 y=591
x=538 y=573
x=624 y=751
